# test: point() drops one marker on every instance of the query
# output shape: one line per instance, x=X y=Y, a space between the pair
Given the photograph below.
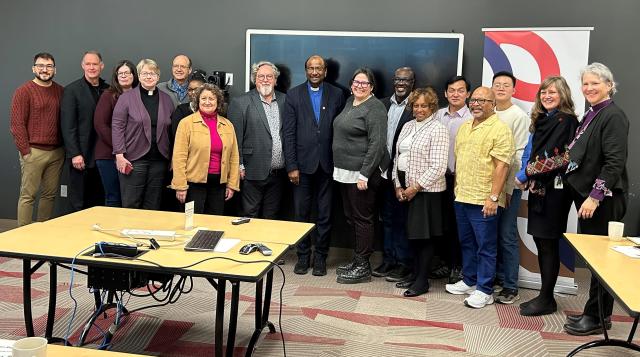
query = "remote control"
x=242 y=220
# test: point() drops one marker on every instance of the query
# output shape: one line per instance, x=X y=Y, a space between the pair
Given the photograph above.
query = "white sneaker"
x=459 y=288
x=478 y=300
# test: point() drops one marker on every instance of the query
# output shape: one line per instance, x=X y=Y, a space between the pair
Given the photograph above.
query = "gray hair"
x=256 y=66
x=153 y=65
x=603 y=72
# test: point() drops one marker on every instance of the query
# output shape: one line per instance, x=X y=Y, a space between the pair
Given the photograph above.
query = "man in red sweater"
x=35 y=126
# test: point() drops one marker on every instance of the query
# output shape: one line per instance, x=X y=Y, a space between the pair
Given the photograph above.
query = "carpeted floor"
x=319 y=318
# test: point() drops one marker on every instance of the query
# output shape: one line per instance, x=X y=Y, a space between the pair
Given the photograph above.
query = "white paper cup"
x=616 y=231
x=30 y=347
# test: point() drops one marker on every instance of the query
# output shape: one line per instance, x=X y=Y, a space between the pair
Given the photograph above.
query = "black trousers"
x=448 y=248
x=208 y=198
x=610 y=209
x=261 y=198
x=314 y=188
x=85 y=188
x=360 y=212
x=142 y=188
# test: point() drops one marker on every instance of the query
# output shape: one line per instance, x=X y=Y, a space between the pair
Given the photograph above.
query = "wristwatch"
x=493 y=198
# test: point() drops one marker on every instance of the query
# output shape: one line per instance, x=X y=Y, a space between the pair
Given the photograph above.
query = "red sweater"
x=35 y=117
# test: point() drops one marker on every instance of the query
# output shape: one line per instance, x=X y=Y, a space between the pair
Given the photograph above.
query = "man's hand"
x=400 y=194
x=294 y=177
x=78 y=162
x=508 y=201
x=490 y=208
x=521 y=185
x=241 y=174
x=181 y=195
x=362 y=185
x=588 y=208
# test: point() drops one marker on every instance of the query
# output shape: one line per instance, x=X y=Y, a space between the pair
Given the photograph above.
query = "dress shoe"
x=319 y=266
x=343 y=268
x=587 y=325
x=415 y=292
x=539 y=307
x=399 y=273
x=576 y=318
x=302 y=266
x=404 y=284
x=383 y=270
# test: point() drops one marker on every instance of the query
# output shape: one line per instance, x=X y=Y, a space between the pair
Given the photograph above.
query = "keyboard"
x=204 y=241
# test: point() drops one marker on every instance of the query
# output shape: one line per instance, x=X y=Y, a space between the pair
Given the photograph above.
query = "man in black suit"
x=308 y=132
x=256 y=117
x=76 y=121
x=397 y=259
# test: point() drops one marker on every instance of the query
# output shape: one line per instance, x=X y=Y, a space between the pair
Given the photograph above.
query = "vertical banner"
x=533 y=54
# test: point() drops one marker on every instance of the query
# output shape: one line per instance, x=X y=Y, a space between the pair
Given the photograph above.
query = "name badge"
x=557 y=183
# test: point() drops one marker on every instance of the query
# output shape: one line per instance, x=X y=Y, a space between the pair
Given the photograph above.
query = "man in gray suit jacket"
x=256 y=116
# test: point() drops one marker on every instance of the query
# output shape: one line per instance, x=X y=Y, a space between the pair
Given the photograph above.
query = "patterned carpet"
x=319 y=318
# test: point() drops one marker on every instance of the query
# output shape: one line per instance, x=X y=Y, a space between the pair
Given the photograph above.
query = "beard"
x=265 y=90
x=43 y=78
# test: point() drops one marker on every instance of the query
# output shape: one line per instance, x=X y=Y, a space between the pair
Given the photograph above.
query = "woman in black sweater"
x=553 y=125
x=597 y=179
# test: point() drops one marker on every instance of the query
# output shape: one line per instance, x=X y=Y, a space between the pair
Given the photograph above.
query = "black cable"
x=284 y=349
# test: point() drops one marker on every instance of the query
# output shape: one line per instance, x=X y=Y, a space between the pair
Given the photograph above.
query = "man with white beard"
x=256 y=117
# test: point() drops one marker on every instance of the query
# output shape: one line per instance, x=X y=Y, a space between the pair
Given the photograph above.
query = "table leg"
x=261 y=312
x=26 y=296
x=53 y=292
x=219 y=327
x=233 y=318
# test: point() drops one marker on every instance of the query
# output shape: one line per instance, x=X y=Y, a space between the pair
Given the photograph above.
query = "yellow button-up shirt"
x=475 y=149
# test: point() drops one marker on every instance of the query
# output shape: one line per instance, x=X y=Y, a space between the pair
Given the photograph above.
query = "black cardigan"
x=605 y=156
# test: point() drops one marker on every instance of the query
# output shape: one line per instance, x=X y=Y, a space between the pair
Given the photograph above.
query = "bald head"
x=481 y=103
x=316 y=70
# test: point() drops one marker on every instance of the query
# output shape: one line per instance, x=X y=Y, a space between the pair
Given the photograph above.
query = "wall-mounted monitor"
x=434 y=56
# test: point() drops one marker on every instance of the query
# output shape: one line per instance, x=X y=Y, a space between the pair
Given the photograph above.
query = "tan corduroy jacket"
x=192 y=151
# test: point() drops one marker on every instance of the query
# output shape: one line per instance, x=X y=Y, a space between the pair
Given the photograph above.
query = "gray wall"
x=212 y=32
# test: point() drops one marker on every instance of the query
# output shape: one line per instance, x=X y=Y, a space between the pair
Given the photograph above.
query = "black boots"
x=360 y=272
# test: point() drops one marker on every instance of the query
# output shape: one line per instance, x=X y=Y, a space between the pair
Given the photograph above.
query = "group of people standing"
x=446 y=181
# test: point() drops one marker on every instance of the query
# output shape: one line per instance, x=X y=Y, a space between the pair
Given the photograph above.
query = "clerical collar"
x=314 y=89
x=147 y=92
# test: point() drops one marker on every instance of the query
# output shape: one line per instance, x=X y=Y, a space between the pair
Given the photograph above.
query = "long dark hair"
x=115 y=87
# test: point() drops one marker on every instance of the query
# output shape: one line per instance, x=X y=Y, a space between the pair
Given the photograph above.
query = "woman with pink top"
x=206 y=164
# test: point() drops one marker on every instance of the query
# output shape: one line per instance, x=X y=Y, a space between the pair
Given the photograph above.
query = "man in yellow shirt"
x=484 y=149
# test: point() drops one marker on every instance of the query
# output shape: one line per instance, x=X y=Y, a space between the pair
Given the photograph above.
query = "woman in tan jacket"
x=206 y=163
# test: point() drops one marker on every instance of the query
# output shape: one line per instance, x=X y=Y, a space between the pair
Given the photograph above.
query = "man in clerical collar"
x=308 y=133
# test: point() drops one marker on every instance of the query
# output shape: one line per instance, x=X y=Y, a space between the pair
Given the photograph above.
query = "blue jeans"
x=394 y=220
x=110 y=182
x=509 y=243
x=478 y=240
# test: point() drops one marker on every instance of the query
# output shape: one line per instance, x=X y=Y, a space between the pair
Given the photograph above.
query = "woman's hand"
x=410 y=193
x=588 y=208
x=181 y=195
x=362 y=185
x=521 y=185
x=122 y=163
x=228 y=194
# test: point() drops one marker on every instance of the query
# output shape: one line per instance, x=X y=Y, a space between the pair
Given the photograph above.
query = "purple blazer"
x=131 y=125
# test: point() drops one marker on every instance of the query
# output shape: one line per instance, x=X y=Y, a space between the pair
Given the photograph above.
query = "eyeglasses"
x=479 y=101
x=191 y=90
x=265 y=76
x=148 y=74
x=361 y=84
x=315 y=69
x=41 y=66
x=400 y=80
x=502 y=85
x=124 y=74
x=459 y=91
x=180 y=66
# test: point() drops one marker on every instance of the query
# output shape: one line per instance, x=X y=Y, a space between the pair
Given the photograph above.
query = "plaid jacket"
x=428 y=156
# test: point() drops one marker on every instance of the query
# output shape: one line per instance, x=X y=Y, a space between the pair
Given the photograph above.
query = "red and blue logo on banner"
x=530 y=42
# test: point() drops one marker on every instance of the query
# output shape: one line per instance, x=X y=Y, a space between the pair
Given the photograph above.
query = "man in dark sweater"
x=76 y=119
x=35 y=126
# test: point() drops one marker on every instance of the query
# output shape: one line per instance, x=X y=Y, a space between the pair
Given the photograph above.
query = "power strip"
x=148 y=234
